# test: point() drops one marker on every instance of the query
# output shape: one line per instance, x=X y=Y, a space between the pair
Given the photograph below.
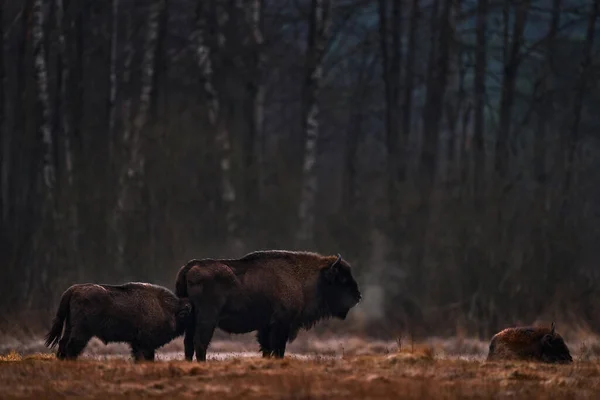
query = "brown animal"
x=145 y=316
x=275 y=293
x=531 y=344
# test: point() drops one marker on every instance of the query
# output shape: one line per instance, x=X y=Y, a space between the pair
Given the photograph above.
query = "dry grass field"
x=425 y=371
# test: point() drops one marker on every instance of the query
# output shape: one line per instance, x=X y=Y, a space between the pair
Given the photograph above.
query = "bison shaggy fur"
x=145 y=316
x=529 y=344
x=275 y=293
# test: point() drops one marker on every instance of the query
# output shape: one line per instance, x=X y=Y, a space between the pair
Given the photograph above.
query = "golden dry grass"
x=411 y=374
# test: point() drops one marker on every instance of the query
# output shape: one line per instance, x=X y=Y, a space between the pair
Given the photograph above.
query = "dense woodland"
x=450 y=150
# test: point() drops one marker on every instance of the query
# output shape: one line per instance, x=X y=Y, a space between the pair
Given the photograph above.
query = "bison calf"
x=145 y=316
x=531 y=344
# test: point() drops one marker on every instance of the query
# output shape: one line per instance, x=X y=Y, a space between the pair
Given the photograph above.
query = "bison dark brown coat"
x=530 y=344
x=145 y=316
x=273 y=292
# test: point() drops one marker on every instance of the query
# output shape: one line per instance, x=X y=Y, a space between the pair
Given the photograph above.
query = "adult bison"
x=272 y=292
x=530 y=344
x=145 y=316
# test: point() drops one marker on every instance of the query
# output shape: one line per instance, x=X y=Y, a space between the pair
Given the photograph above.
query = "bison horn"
x=552 y=328
x=339 y=258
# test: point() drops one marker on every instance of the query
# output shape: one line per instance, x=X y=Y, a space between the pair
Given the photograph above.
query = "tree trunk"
x=436 y=89
x=391 y=73
x=479 y=99
x=545 y=109
x=132 y=172
x=205 y=59
x=354 y=134
x=317 y=40
x=78 y=105
x=62 y=108
x=572 y=140
x=433 y=113
x=454 y=105
x=160 y=64
x=5 y=142
x=118 y=223
x=112 y=76
x=409 y=78
x=509 y=78
x=254 y=152
x=49 y=158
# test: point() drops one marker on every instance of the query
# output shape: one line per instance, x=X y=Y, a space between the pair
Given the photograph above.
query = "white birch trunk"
x=41 y=73
x=315 y=52
x=223 y=139
x=132 y=171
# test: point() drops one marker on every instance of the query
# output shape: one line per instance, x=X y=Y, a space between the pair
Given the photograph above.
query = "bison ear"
x=332 y=270
x=552 y=328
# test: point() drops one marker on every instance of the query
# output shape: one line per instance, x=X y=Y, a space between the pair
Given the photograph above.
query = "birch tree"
x=317 y=39
x=43 y=98
x=205 y=58
x=132 y=171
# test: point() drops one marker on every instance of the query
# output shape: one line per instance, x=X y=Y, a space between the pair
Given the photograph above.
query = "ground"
x=400 y=375
x=334 y=368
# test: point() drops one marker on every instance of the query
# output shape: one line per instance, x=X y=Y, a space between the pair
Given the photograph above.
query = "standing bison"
x=145 y=316
x=272 y=292
x=530 y=344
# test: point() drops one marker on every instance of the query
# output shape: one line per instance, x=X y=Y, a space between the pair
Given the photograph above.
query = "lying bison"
x=145 y=316
x=531 y=344
x=273 y=292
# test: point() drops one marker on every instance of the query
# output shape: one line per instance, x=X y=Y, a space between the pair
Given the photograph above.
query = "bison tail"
x=181 y=281
x=53 y=336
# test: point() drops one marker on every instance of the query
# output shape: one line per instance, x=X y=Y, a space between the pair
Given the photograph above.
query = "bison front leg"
x=263 y=337
x=149 y=354
x=278 y=337
x=136 y=352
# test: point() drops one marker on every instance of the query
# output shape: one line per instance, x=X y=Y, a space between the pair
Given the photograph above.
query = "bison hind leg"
x=278 y=337
x=188 y=342
x=140 y=353
x=61 y=354
x=75 y=346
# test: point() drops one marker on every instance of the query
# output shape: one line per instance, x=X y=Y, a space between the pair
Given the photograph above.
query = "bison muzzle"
x=145 y=316
x=275 y=293
x=529 y=344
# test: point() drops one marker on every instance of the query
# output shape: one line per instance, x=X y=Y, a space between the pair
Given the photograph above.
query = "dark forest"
x=449 y=150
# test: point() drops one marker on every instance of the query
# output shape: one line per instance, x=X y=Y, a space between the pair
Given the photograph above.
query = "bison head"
x=340 y=289
x=554 y=349
x=184 y=313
